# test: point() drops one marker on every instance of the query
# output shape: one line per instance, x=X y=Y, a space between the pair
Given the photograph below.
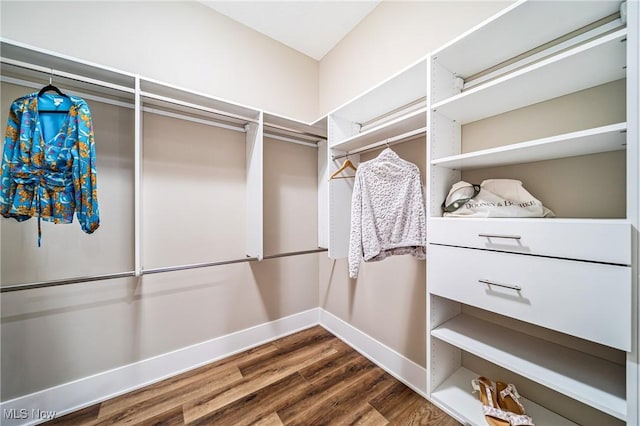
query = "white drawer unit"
x=607 y=241
x=584 y=299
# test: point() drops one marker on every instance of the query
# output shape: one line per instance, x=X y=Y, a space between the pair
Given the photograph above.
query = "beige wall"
x=393 y=36
x=181 y=42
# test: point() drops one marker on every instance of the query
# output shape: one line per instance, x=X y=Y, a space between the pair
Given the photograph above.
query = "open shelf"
x=455 y=396
x=476 y=50
x=158 y=93
x=599 y=61
x=407 y=86
x=584 y=142
x=590 y=380
x=407 y=123
x=17 y=52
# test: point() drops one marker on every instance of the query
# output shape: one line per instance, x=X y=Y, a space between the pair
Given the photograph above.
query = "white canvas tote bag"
x=493 y=198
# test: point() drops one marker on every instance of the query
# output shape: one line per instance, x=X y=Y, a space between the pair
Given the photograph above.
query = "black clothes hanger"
x=48 y=87
x=59 y=92
x=51 y=87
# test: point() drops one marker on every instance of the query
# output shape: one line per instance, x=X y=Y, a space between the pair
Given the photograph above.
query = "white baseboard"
x=33 y=408
x=396 y=364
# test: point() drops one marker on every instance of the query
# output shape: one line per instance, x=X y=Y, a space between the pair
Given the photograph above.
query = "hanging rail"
x=195 y=265
x=80 y=280
x=212 y=123
x=63 y=74
x=292 y=130
x=86 y=96
x=292 y=140
x=55 y=283
x=295 y=253
x=405 y=137
x=389 y=115
x=198 y=107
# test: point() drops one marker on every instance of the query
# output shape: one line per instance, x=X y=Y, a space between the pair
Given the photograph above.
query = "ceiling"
x=310 y=27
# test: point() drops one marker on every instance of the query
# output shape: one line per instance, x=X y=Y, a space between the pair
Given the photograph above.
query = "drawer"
x=588 y=300
x=597 y=240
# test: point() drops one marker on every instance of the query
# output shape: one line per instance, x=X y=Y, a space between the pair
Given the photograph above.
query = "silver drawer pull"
x=512 y=287
x=513 y=237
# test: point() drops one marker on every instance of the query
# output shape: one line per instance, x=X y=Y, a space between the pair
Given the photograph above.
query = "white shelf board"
x=591 y=141
x=192 y=97
x=32 y=55
x=528 y=24
x=590 y=380
x=402 y=88
x=455 y=396
x=407 y=123
x=599 y=61
x=295 y=126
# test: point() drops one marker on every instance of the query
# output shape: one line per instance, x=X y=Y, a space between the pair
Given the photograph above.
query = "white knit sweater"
x=387 y=211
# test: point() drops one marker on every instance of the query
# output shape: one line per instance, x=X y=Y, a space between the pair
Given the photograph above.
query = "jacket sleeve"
x=10 y=141
x=355 y=235
x=85 y=173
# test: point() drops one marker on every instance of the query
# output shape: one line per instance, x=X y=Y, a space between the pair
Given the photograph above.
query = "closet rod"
x=195 y=265
x=292 y=130
x=282 y=138
x=405 y=137
x=63 y=74
x=85 y=96
x=193 y=119
x=418 y=103
x=79 y=280
x=295 y=253
x=55 y=283
x=198 y=107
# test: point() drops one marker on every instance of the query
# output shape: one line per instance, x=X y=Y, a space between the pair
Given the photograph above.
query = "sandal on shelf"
x=488 y=397
x=509 y=400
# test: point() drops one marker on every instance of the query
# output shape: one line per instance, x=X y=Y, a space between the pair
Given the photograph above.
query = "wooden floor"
x=309 y=378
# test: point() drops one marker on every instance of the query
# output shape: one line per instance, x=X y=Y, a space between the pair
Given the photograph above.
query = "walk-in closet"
x=257 y=213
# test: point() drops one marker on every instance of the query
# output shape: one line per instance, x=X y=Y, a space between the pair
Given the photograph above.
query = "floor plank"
x=308 y=378
x=256 y=376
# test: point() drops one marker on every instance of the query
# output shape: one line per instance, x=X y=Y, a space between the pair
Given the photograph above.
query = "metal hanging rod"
x=292 y=130
x=63 y=74
x=295 y=253
x=196 y=265
x=198 y=107
x=572 y=39
x=405 y=137
x=417 y=103
x=86 y=96
x=212 y=123
x=285 y=139
x=55 y=283
x=80 y=280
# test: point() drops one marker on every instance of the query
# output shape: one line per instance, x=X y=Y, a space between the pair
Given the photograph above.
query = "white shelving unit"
x=32 y=67
x=392 y=112
x=589 y=379
x=549 y=78
x=514 y=60
x=464 y=406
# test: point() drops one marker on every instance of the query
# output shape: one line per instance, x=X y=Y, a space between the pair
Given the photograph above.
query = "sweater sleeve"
x=85 y=174
x=355 y=236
